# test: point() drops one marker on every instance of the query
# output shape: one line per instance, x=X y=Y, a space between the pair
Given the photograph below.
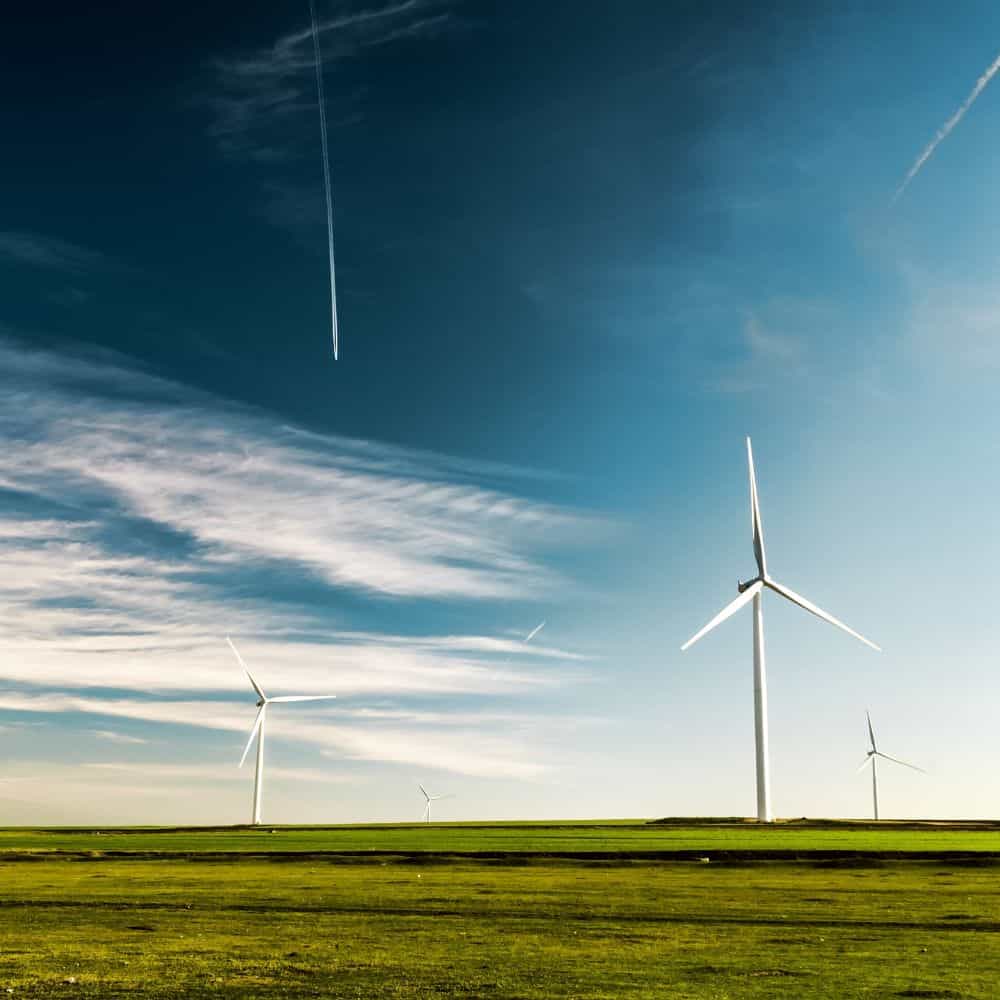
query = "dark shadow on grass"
x=519 y=914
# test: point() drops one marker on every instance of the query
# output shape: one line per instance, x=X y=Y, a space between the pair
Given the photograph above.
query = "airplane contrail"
x=531 y=635
x=945 y=130
x=326 y=177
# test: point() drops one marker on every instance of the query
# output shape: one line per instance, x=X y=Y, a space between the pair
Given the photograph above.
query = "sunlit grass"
x=592 y=836
x=307 y=924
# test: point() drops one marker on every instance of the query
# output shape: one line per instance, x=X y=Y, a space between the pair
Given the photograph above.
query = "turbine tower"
x=426 y=818
x=753 y=590
x=258 y=729
x=870 y=759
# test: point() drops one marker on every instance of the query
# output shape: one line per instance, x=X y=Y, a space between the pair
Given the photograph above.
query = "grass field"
x=180 y=917
x=620 y=836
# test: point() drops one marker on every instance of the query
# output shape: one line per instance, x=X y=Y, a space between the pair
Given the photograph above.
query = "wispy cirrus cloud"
x=235 y=488
x=259 y=95
x=37 y=250
x=111 y=736
x=210 y=773
x=479 y=745
x=774 y=346
x=141 y=522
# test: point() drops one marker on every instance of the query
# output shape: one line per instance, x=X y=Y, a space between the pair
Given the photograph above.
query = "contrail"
x=945 y=130
x=326 y=177
x=531 y=635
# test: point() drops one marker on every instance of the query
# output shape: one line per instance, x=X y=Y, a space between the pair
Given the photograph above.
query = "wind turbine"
x=753 y=590
x=426 y=818
x=870 y=759
x=258 y=729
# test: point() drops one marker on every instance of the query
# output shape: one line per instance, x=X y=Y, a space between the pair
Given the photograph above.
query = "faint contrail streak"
x=944 y=131
x=531 y=635
x=326 y=176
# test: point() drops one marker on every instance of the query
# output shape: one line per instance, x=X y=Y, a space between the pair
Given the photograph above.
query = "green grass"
x=253 y=925
x=620 y=836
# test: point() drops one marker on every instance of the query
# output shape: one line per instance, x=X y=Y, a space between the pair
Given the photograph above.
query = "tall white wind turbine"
x=870 y=759
x=753 y=590
x=258 y=729
x=426 y=817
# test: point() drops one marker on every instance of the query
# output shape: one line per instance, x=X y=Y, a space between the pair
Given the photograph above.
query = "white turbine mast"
x=258 y=729
x=874 y=752
x=426 y=817
x=753 y=590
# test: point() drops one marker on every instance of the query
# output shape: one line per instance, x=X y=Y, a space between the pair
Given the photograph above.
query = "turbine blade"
x=258 y=722
x=730 y=609
x=896 y=760
x=757 y=528
x=790 y=595
x=531 y=635
x=303 y=697
x=868 y=760
x=422 y=789
x=256 y=686
x=871 y=732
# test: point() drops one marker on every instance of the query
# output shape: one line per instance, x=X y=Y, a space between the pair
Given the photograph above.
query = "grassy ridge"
x=536 y=838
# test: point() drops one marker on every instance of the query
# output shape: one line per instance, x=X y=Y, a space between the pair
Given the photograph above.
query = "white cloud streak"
x=110 y=736
x=479 y=745
x=47 y=252
x=239 y=488
x=257 y=94
x=138 y=519
x=208 y=773
x=945 y=130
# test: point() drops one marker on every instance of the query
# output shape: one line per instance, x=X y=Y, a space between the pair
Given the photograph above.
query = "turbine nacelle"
x=742 y=587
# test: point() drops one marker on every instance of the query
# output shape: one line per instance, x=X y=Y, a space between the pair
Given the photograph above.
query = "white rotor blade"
x=868 y=760
x=531 y=635
x=896 y=760
x=422 y=789
x=253 y=732
x=871 y=732
x=756 y=526
x=436 y=798
x=256 y=686
x=730 y=609
x=790 y=595
x=303 y=697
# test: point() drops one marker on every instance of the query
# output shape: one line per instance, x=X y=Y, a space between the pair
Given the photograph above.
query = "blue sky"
x=581 y=254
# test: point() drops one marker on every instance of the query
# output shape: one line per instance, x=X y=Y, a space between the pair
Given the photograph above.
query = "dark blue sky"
x=507 y=181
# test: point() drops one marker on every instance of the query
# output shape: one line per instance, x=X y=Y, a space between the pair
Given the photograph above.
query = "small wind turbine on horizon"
x=426 y=817
x=870 y=759
x=258 y=729
x=753 y=590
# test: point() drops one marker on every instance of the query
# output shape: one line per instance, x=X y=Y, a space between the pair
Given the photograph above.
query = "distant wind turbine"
x=258 y=729
x=753 y=591
x=870 y=759
x=426 y=817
